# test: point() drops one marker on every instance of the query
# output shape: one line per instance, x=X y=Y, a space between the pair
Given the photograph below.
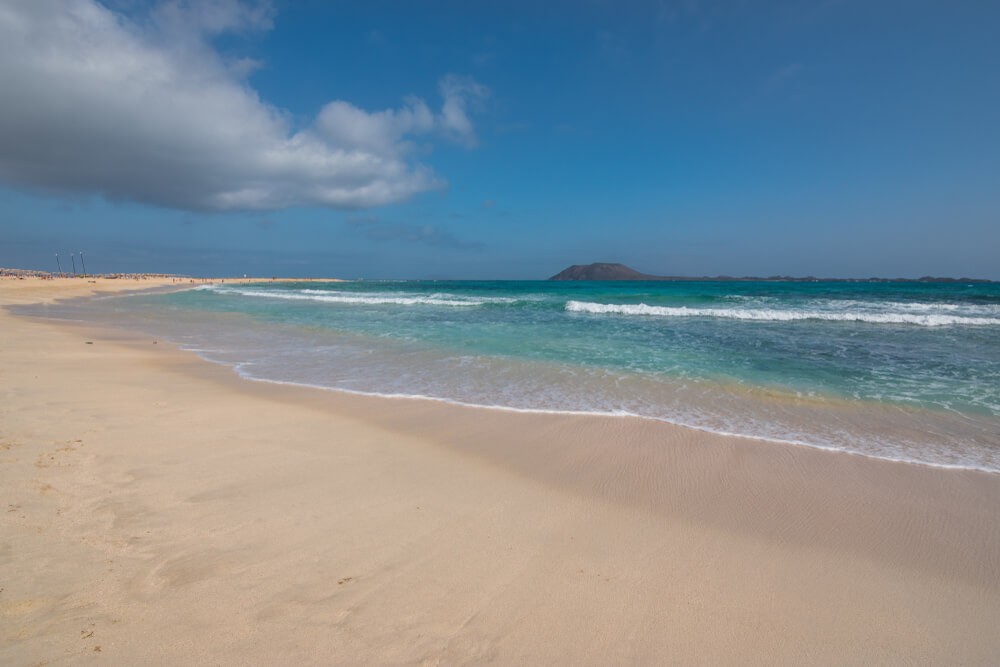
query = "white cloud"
x=212 y=17
x=459 y=93
x=346 y=125
x=95 y=102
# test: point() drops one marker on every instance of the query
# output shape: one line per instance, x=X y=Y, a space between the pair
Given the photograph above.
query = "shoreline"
x=601 y=415
x=723 y=548
x=886 y=450
x=556 y=463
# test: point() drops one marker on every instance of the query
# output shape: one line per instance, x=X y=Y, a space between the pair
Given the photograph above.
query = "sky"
x=501 y=140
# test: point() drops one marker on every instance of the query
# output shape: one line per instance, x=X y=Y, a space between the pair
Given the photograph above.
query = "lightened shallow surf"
x=906 y=371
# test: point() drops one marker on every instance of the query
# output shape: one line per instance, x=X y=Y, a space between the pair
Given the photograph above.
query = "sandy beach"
x=158 y=509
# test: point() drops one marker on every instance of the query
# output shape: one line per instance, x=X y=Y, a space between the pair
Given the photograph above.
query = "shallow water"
x=907 y=371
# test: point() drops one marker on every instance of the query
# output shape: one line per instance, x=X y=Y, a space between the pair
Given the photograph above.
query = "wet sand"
x=157 y=509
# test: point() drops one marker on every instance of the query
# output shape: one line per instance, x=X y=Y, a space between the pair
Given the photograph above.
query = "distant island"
x=602 y=271
x=615 y=271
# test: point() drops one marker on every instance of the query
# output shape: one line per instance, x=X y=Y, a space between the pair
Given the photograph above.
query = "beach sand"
x=157 y=509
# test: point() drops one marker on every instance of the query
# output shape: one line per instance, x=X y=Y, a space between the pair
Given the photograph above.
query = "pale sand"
x=157 y=509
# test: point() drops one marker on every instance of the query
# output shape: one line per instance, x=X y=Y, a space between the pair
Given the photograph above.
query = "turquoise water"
x=905 y=371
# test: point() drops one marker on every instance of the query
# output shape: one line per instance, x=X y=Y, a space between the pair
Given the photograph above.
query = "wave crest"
x=367 y=299
x=779 y=315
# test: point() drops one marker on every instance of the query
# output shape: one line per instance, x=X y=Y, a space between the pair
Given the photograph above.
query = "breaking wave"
x=924 y=319
x=368 y=298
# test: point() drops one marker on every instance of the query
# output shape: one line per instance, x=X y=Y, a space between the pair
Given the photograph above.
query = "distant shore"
x=814 y=279
x=614 y=271
x=161 y=510
x=174 y=278
x=29 y=273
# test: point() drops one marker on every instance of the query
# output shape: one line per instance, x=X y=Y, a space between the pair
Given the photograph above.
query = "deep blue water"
x=899 y=370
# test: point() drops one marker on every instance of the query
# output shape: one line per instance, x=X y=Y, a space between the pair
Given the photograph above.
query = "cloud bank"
x=95 y=102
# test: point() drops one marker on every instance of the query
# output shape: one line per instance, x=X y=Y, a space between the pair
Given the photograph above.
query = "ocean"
x=902 y=371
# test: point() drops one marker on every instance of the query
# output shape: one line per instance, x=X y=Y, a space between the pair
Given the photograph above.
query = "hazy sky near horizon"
x=501 y=139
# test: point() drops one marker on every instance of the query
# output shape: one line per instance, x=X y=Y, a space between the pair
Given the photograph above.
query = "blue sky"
x=501 y=140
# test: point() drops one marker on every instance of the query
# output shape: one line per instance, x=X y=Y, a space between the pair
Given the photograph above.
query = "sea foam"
x=367 y=298
x=781 y=315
